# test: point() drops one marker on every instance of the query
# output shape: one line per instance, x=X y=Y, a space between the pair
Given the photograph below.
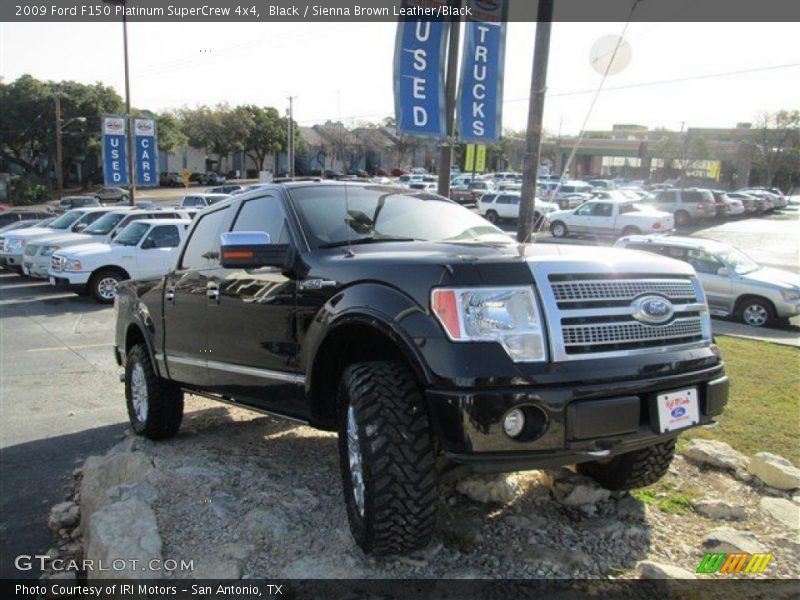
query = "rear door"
x=253 y=347
x=186 y=300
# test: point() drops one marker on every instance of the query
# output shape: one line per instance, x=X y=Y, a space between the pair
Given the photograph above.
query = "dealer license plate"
x=677 y=410
x=52 y=281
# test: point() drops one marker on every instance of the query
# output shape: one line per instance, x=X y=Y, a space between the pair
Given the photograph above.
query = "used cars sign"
x=115 y=157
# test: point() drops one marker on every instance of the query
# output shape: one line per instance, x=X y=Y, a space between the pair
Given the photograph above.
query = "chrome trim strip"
x=239 y=369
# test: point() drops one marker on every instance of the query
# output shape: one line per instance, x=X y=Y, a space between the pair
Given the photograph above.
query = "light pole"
x=59 y=148
x=290 y=137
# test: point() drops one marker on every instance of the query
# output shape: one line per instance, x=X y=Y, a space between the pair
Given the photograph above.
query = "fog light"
x=514 y=423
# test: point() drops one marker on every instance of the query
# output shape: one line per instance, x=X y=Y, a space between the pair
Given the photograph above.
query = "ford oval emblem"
x=653 y=310
x=678 y=411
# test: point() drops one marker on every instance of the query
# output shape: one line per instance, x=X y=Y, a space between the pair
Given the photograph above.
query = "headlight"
x=72 y=265
x=790 y=295
x=14 y=244
x=509 y=316
x=48 y=250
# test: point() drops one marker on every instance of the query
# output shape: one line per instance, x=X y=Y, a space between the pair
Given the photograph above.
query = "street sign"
x=419 y=89
x=146 y=152
x=115 y=154
x=479 y=108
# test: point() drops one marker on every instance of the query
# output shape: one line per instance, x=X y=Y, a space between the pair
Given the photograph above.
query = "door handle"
x=169 y=295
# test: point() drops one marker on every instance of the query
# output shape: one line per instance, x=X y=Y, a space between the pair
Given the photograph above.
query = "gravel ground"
x=245 y=495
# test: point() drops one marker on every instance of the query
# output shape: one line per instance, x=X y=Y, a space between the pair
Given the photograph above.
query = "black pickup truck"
x=432 y=342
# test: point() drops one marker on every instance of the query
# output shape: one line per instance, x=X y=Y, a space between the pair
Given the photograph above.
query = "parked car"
x=733 y=206
x=212 y=178
x=428 y=339
x=202 y=200
x=423 y=186
x=735 y=284
x=228 y=188
x=602 y=184
x=73 y=221
x=612 y=217
x=571 y=194
x=27 y=224
x=496 y=206
x=752 y=204
x=36 y=261
x=111 y=194
x=69 y=202
x=142 y=250
x=776 y=200
x=13 y=216
x=170 y=179
x=686 y=205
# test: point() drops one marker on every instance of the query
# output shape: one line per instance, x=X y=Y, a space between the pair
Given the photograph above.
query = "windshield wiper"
x=368 y=240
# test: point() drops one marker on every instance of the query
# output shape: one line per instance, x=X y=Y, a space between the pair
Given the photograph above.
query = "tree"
x=222 y=130
x=267 y=134
x=170 y=133
x=682 y=152
x=777 y=138
x=404 y=146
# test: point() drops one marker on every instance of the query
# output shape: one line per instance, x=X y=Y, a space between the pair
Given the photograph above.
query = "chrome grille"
x=628 y=332
x=604 y=290
x=57 y=263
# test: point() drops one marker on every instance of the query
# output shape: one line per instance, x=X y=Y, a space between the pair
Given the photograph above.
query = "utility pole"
x=446 y=150
x=131 y=161
x=533 y=138
x=59 y=151
x=290 y=137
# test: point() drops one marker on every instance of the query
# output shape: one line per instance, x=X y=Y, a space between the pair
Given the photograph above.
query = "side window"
x=665 y=197
x=162 y=236
x=202 y=251
x=503 y=199
x=586 y=210
x=691 y=197
x=602 y=209
x=263 y=214
x=702 y=261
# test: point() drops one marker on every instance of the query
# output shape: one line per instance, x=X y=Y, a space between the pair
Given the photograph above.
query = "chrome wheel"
x=107 y=288
x=139 y=392
x=354 y=453
x=559 y=230
x=755 y=315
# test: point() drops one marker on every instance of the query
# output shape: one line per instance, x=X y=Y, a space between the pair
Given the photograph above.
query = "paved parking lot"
x=60 y=399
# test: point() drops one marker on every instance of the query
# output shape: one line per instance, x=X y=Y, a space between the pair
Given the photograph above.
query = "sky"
x=343 y=71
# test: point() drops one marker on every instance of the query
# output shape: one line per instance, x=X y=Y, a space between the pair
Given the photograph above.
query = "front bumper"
x=572 y=422
x=36 y=266
x=12 y=260
x=786 y=310
x=68 y=284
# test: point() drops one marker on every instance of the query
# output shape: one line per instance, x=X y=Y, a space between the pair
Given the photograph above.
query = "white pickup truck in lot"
x=143 y=249
x=610 y=217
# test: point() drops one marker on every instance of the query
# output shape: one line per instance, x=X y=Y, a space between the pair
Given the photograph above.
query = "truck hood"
x=770 y=276
x=32 y=232
x=66 y=239
x=82 y=250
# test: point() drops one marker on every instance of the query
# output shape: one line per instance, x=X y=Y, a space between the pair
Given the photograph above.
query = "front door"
x=253 y=347
x=186 y=301
x=713 y=277
x=157 y=251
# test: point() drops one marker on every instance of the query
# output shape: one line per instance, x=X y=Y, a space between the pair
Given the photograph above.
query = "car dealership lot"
x=61 y=401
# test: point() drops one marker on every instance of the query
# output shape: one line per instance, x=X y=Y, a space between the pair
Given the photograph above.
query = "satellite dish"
x=612 y=53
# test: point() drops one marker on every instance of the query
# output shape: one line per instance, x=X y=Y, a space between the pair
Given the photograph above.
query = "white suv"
x=495 y=207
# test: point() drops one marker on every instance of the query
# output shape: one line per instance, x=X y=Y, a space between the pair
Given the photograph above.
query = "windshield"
x=66 y=219
x=131 y=235
x=375 y=213
x=104 y=224
x=737 y=260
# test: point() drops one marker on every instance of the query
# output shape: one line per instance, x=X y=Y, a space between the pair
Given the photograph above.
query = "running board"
x=231 y=402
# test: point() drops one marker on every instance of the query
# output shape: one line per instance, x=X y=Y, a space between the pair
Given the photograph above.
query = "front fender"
x=386 y=309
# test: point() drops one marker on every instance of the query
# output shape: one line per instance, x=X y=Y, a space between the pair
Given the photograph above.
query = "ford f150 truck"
x=429 y=340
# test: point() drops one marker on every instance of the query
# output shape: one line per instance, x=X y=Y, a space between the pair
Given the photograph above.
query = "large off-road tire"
x=155 y=405
x=631 y=470
x=387 y=458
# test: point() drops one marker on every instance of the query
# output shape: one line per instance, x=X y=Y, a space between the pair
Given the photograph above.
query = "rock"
x=786 y=512
x=315 y=567
x=649 y=569
x=237 y=551
x=526 y=521
x=629 y=507
x=719 y=455
x=500 y=489
x=719 y=509
x=217 y=569
x=141 y=490
x=126 y=530
x=102 y=473
x=727 y=539
x=64 y=514
x=567 y=560
x=264 y=521
x=571 y=489
x=775 y=471
x=796 y=498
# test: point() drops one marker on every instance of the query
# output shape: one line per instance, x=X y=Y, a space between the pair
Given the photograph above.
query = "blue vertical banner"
x=115 y=150
x=479 y=108
x=146 y=151
x=419 y=66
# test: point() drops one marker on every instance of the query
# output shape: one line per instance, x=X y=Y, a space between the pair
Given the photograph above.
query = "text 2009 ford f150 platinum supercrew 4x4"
x=432 y=342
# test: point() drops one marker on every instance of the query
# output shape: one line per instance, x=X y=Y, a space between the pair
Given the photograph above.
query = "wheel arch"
x=743 y=298
x=115 y=268
x=135 y=333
